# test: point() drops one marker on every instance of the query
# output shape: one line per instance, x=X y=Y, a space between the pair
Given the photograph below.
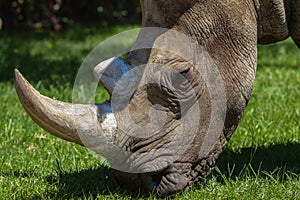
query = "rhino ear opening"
x=72 y=122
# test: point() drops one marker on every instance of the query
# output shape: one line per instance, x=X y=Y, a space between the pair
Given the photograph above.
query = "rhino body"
x=225 y=31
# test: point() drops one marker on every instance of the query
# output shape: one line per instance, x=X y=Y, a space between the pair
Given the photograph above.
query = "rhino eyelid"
x=184 y=72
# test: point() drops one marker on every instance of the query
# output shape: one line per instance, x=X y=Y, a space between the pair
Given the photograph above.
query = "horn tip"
x=23 y=88
x=17 y=73
x=18 y=77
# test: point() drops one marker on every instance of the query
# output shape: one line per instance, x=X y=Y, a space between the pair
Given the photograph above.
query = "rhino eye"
x=185 y=73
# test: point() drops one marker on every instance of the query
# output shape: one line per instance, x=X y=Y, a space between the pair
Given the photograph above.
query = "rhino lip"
x=72 y=122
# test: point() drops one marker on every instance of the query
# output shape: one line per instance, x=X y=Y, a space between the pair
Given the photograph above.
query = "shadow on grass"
x=15 y=53
x=88 y=183
x=280 y=54
x=50 y=58
x=284 y=158
x=38 y=68
x=95 y=182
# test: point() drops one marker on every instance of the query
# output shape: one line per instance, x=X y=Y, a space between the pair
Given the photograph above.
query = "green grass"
x=262 y=160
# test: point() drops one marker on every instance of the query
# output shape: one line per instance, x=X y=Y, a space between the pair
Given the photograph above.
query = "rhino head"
x=175 y=101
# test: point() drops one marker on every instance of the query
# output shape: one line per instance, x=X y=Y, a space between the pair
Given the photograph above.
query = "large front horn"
x=72 y=122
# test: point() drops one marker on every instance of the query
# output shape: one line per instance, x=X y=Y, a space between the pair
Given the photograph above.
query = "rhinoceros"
x=185 y=92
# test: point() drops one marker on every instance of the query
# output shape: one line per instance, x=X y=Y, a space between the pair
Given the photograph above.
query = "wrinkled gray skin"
x=229 y=31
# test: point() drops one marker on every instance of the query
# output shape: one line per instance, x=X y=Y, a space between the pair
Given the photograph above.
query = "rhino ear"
x=72 y=122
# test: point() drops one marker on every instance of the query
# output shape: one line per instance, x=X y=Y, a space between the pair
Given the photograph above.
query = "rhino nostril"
x=156 y=179
x=154 y=184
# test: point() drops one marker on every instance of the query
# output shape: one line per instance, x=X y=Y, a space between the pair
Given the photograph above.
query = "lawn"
x=262 y=160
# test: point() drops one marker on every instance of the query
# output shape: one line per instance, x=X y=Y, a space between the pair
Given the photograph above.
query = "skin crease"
x=188 y=92
x=229 y=31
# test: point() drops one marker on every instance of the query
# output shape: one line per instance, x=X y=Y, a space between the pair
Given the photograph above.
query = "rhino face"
x=175 y=101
